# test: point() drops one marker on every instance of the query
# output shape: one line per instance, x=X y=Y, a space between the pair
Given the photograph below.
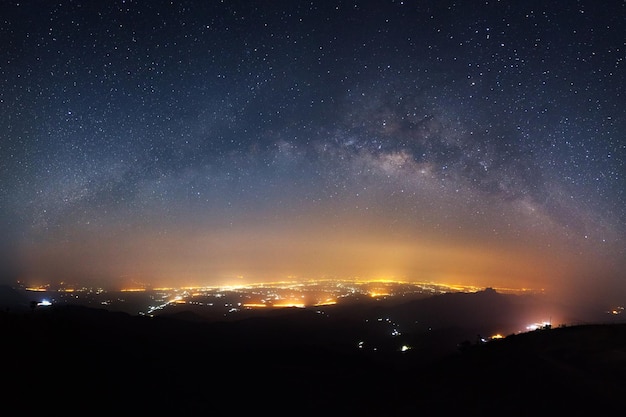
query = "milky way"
x=202 y=142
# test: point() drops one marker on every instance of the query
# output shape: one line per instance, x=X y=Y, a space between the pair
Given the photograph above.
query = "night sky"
x=209 y=143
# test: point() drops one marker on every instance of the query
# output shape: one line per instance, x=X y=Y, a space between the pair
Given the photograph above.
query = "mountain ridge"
x=116 y=361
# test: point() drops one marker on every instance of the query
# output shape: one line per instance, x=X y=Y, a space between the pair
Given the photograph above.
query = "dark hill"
x=13 y=300
x=578 y=370
x=483 y=311
x=78 y=361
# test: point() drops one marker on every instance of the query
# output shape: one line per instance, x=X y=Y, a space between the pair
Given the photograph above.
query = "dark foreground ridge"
x=73 y=360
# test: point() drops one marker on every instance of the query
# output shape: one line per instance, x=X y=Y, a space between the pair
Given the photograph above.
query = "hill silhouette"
x=13 y=300
x=76 y=360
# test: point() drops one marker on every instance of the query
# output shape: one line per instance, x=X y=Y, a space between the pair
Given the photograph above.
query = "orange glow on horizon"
x=375 y=294
x=326 y=303
x=282 y=305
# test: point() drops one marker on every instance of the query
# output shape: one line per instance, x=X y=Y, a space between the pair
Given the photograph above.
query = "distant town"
x=234 y=299
x=231 y=303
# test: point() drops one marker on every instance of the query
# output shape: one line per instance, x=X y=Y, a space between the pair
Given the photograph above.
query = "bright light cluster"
x=537 y=326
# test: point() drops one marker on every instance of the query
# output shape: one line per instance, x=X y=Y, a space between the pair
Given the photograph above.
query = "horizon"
x=63 y=286
x=519 y=311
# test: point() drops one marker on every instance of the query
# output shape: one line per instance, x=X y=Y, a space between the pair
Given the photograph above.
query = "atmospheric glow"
x=288 y=304
x=375 y=294
x=326 y=303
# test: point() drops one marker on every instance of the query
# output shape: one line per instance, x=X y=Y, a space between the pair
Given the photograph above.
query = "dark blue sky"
x=211 y=142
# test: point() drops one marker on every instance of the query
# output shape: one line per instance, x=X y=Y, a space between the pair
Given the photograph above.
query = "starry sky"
x=223 y=142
